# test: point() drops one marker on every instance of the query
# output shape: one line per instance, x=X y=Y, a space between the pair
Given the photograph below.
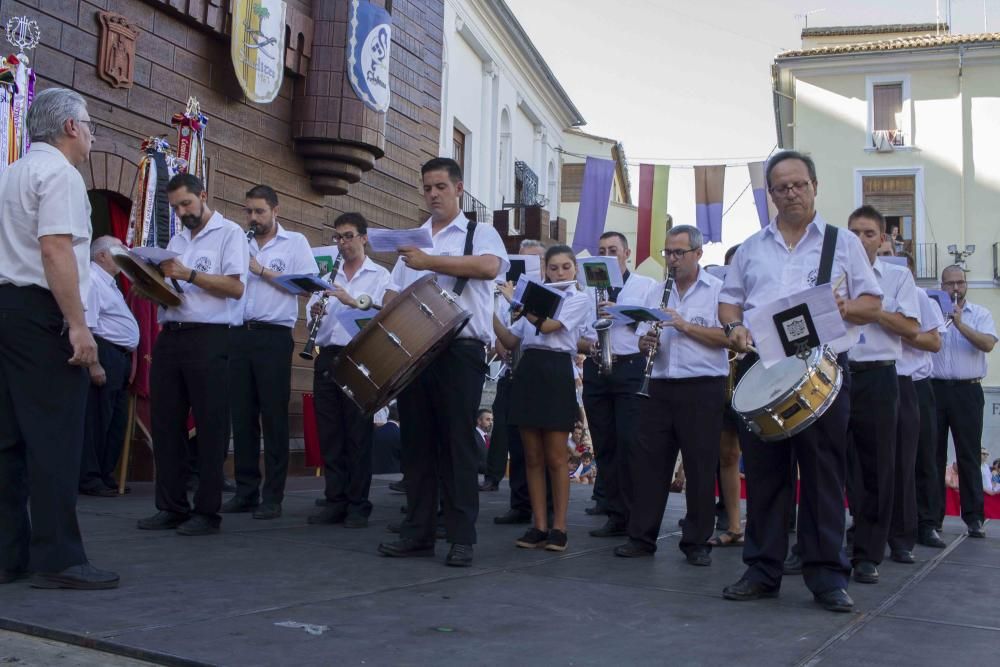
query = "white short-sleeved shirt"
x=575 y=310
x=899 y=295
x=108 y=316
x=681 y=356
x=918 y=363
x=288 y=252
x=477 y=298
x=42 y=194
x=764 y=269
x=959 y=359
x=220 y=249
x=370 y=279
x=635 y=292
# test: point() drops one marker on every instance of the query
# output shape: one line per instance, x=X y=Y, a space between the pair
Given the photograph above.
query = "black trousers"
x=496 y=454
x=42 y=406
x=903 y=528
x=960 y=410
x=613 y=411
x=190 y=373
x=107 y=417
x=260 y=376
x=345 y=440
x=820 y=451
x=437 y=419
x=871 y=457
x=682 y=416
x=929 y=477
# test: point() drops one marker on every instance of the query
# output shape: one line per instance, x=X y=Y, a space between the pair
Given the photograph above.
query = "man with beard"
x=260 y=367
x=191 y=358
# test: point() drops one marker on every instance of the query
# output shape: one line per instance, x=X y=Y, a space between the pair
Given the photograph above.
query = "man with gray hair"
x=45 y=346
x=117 y=335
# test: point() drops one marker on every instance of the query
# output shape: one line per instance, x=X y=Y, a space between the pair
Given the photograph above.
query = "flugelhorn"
x=602 y=325
x=668 y=287
x=310 y=350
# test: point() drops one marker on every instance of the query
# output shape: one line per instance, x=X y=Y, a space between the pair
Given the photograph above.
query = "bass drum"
x=398 y=343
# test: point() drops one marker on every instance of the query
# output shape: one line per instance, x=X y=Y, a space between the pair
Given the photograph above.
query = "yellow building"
x=906 y=118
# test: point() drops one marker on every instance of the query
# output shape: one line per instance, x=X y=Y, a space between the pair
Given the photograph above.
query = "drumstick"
x=840 y=281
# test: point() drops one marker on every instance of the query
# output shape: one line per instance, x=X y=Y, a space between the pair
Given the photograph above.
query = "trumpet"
x=602 y=325
x=668 y=287
x=310 y=350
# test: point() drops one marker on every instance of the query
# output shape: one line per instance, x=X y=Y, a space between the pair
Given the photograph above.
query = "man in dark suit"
x=484 y=424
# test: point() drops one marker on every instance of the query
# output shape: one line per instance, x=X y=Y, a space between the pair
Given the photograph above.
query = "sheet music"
x=391 y=240
x=589 y=267
x=154 y=255
x=822 y=308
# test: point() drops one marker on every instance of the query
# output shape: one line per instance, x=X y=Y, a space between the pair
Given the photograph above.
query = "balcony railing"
x=886 y=140
x=925 y=255
x=475 y=209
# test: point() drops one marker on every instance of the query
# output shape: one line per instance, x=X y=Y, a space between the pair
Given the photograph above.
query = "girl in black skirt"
x=543 y=396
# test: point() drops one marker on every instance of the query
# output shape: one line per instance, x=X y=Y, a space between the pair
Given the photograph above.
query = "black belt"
x=187 y=326
x=952 y=383
x=269 y=326
x=615 y=358
x=469 y=342
x=121 y=348
x=862 y=366
x=700 y=378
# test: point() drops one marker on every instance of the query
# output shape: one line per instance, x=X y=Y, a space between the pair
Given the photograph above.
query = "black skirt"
x=543 y=392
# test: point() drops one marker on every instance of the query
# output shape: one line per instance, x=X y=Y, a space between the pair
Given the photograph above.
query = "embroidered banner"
x=595 y=195
x=258 y=47
x=708 y=187
x=652 y=230
x=368 y=54
x=765 y=208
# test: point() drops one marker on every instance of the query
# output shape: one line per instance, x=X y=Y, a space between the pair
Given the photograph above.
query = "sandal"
x=734 y=539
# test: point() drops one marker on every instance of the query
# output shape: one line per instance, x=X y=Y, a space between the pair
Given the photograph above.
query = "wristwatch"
x=728 y=328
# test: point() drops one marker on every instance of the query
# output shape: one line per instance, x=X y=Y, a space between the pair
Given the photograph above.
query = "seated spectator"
x=995 y=477
x=574 y=464
x=586 y=473
x=951 y=476
x=989 y=488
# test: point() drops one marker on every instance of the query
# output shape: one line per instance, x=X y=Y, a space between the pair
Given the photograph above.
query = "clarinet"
x=310 y=351
x=252 y=232
x=668 y=287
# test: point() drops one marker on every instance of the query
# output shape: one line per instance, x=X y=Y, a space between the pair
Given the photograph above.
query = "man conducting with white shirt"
x=44 y=347
x=683 y=414
x=117 y=335
x=345 y=432
x=958 y=371
x=876 y=396
x=781 y=259
x=437 y=411
x=191 y=359
x=260 y=362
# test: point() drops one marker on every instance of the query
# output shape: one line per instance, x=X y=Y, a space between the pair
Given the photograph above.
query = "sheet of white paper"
x=288 y=283
x=610 y=264
x=630 y=314
x=822 y=307
x=391 y=240
x=154 y=255
x=353 y=319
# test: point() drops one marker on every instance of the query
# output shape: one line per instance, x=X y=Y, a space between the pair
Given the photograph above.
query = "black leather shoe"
x=632 y=550
x=596 y=510
x=10 y=576
x=392 y=527
x=930 y=538
x=406 y=548
x=610 y=529
x=198 y=525
x=865 y=572
x=744 y=590
x=356 y=521
x=976 y=529
x=268 y=511
x=835 y=600
x=162 y=521
x=321 y=502
x=513 y=516
x=489 y=485
x=237 y=505
x=460 y=555
x=903 y=556
x=327 y=514
x=398 y=487
x=99 y=491
x=83 y=577
x=792 y=564
x=699 y=558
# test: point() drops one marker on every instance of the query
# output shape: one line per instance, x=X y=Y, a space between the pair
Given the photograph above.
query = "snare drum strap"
x=461 y=282
x=826 y=257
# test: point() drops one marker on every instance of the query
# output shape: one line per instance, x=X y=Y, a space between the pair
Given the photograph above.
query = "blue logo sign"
x=368 y=54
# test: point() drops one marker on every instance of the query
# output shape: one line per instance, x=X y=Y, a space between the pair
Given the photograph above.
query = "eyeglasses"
x=676 y=254
x=785 y=190
x=953 y=283
x=344 y=238
x=91 y=125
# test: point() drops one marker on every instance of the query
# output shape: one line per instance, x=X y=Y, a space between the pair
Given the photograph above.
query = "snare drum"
x=780 y=401
x=398 y=343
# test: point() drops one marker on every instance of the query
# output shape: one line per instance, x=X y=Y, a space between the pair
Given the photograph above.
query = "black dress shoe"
x=321 y=502
x=489 y=485
x=398 y=487
x=10 y=576
x=406 y=548
x=327 y=514
x=513 y=516
x=930 y=538
x=976 y=529
x=610 y=529
x=699 y=558
x=632 y=550
x=835 y=600
x=460 y=555
x=392 y=527
x=596 y=510
x=744 y=590
x=162 y=521
x=83 y=577
x=356 y=521
x=199 y=525
x=99 y=491
x=268 y=511
x=237 y=505
x=792 y=564
x=865 y=572
x=903 y=556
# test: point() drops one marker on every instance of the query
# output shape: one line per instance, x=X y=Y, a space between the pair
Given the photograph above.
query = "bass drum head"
x=761 y=386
